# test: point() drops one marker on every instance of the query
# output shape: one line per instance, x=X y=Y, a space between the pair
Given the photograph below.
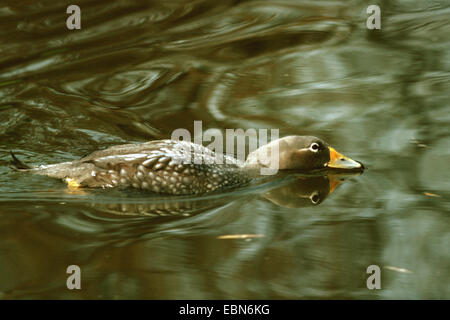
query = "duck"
x=177 y=167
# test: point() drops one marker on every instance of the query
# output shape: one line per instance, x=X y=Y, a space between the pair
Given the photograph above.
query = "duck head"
x=301 y=153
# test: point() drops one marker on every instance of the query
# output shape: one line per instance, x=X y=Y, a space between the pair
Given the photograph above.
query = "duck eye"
x=314 y=147
x=314 y=197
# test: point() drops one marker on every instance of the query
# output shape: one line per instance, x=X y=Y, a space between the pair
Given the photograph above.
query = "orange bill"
x=339 y=161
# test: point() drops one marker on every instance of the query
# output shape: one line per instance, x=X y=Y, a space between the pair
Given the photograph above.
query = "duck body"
x=182 y=168
x=161 y=166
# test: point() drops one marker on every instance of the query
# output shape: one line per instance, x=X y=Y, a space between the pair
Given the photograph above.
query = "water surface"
x=137 y=70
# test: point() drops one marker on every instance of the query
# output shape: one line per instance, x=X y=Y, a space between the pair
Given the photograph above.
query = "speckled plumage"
x=163 y=166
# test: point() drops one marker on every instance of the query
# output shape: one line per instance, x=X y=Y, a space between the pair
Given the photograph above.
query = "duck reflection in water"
x=307 y=191
x=295 y=192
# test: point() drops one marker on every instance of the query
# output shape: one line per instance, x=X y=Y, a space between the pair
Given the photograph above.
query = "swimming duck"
x=160 y=166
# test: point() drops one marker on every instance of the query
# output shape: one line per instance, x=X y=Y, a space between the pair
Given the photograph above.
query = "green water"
x=137 y=70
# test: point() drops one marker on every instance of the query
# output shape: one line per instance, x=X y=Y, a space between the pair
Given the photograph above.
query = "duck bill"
x=339 y=161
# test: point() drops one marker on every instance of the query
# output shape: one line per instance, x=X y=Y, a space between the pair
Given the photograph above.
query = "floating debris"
x=240 y=236
x=402 y=270
x=429 y=194
x=418 y=143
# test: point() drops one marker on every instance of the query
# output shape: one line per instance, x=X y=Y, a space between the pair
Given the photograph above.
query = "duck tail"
x=18 y=165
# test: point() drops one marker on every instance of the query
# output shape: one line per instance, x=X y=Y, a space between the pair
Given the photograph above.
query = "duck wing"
x=163 y=166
